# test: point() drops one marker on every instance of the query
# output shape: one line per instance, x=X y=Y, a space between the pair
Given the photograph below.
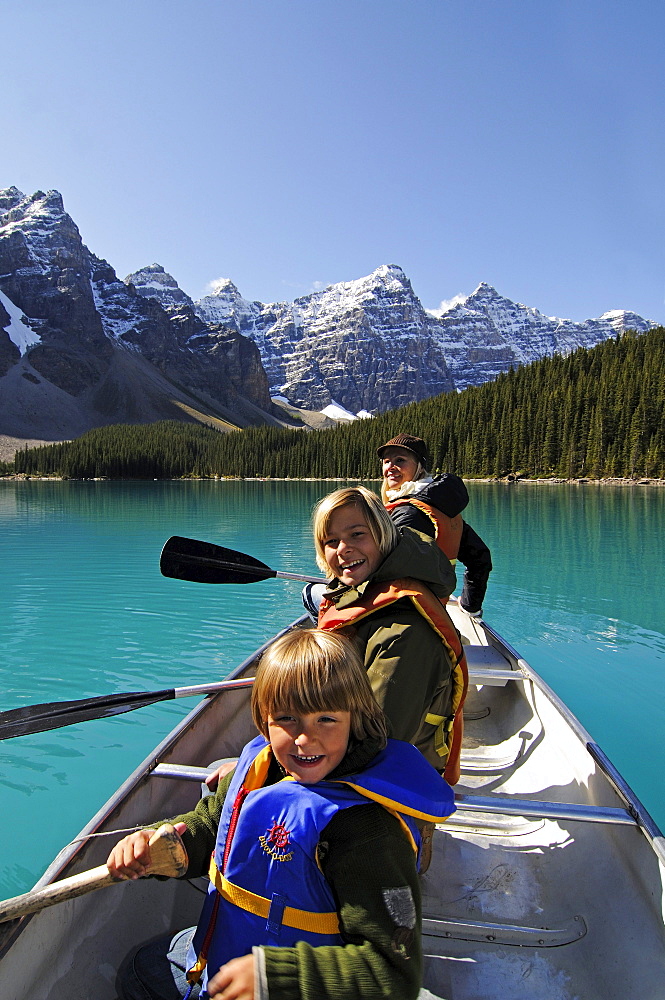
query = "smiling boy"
x=313 y=881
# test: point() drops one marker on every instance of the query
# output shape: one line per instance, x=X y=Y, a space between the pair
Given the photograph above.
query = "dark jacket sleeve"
x=448 y=493
x=477 y=560
x=201 y=833
x=473 y=553
x=370 y=866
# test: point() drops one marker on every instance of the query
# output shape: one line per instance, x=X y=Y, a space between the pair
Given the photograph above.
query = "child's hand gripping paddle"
x=167 y=857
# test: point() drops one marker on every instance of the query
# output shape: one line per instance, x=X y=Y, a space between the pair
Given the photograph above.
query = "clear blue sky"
x=290 y=144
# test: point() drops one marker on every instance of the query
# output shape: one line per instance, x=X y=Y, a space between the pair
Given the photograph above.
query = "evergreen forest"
x=597 y=413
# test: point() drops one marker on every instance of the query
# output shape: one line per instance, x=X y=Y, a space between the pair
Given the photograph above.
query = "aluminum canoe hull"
x=546 y=884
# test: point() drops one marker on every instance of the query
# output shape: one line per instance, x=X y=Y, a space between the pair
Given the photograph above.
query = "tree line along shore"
x=597 y=414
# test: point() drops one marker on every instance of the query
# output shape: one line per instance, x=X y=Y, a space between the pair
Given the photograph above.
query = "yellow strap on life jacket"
x=194 y=973
x=444 y=724
x=391 y=805
x=302 y=920
x=257 y=771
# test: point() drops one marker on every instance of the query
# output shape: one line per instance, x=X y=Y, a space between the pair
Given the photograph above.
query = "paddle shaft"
x=167 y=857
x=249 y=571
x=55 y=714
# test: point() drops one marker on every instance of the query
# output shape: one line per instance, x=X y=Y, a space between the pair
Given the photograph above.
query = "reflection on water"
x=576 y=589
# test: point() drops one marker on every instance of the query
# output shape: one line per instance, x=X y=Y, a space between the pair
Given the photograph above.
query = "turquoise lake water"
x=577 y=588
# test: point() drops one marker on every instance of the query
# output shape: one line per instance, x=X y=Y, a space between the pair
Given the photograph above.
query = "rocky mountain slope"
x=80 y=348
x=364 y=344
x=486 y=334
x=370 y=344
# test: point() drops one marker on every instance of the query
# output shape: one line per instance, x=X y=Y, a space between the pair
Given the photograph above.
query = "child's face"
x=349 y=547
x=309 y=746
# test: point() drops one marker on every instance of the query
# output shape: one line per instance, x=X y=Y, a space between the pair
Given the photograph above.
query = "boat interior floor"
x=540 y=906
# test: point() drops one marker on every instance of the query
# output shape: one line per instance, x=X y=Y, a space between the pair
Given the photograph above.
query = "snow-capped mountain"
x=370 y=344
x=486 y=334
x=366 y=344
x=79 y=347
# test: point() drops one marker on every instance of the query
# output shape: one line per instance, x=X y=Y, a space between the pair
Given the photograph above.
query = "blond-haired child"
x=314 y=889
x=388 y=588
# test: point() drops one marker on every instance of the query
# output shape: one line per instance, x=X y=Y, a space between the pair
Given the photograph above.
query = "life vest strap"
x=444 y=725
x=302 y=920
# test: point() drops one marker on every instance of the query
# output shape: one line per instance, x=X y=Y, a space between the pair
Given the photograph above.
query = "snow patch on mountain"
x=338 y=412
x=20 y=333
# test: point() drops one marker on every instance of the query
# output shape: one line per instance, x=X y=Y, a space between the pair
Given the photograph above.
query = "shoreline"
x=505 y=480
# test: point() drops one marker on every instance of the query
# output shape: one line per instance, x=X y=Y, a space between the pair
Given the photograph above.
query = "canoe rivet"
x=490 y=937
x=541 y=941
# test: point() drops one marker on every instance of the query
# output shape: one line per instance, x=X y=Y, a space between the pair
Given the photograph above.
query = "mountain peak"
x=39 y=203
x=10 y=198
x=153 y=282
x=223 y=287
x=484 y=292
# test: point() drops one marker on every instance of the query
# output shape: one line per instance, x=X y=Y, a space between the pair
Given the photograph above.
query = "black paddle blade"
x=55 y=714
x=205 y=562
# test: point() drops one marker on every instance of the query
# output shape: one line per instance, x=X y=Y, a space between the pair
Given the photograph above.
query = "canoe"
x=546 y=884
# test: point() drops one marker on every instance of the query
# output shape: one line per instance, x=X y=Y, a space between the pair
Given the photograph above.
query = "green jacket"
x=407 y=664
x=370 y=865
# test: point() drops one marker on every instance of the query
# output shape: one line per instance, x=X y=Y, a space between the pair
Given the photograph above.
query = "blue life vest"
x=265 y=884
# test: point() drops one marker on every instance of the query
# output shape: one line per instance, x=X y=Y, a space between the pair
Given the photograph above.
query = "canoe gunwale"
x=67 y=855
x=634 y=806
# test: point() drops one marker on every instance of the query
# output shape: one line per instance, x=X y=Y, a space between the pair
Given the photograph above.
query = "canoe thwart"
x=167 y=857
x=186 y=772
x=509 y=805
x=488 y=665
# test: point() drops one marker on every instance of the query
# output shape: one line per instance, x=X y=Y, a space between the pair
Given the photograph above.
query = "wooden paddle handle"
x=167 y=857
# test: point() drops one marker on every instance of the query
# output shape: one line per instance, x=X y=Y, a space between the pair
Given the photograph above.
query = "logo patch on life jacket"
x=275 y=842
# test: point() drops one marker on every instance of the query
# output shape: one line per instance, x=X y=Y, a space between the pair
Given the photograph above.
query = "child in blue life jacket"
x=313 y=878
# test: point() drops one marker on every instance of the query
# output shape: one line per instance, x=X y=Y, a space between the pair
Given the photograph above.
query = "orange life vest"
x=447 y=530
x=450 y=728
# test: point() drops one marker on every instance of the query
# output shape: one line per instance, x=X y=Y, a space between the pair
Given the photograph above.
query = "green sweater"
x=407 y=664
x=370 y=865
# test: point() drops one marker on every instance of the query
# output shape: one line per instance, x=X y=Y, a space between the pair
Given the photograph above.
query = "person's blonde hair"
x=381 y=528
x=310 y=670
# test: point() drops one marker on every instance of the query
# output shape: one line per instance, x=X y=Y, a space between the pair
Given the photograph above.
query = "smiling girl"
x=313 y=880
x=389 y=590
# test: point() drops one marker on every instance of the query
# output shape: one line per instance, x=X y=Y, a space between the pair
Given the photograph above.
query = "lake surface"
x=577 y=588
